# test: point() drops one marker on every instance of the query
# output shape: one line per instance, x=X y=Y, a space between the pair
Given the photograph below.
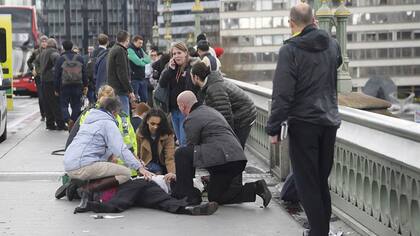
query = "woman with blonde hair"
x=177 y=78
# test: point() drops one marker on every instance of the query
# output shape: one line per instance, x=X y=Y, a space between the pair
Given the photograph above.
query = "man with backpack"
x=70 y=82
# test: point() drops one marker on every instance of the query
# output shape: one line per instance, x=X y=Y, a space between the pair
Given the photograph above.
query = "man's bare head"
x=185 y=101
x=301 y=14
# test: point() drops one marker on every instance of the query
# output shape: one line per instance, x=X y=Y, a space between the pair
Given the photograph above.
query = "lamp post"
x=167 y=18
x=155 y=35
x=196 y=10
x=327 y=19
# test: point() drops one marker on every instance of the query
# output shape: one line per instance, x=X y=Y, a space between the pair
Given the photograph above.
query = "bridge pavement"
x=29 y=175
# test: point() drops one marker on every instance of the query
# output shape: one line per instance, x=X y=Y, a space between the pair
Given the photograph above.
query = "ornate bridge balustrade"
x=375 y=179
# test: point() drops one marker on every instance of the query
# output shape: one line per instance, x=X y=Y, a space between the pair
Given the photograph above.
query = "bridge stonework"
x=375 y=179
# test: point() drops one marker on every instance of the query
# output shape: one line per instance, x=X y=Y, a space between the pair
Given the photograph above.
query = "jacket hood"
x=98 y=115
x=311 y=39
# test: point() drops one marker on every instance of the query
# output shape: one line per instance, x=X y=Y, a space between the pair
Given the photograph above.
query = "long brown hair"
x=182 y=47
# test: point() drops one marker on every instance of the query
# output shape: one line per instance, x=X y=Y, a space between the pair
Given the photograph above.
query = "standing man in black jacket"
x=47 y=59
x=227 y=98
x=305 y=95
x=118 y=71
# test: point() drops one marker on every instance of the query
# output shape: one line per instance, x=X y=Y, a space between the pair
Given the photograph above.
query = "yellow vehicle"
x=6 y=73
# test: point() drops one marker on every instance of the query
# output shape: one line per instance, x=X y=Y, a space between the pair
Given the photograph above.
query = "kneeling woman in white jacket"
x=98 y=139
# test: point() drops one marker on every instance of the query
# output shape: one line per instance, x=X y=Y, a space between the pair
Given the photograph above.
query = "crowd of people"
x=128 y=149
x=154 y=118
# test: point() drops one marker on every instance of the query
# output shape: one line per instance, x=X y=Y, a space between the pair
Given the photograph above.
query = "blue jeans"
x=140 y=89
x=125 y=104
x=71 y=95
x=177 y=123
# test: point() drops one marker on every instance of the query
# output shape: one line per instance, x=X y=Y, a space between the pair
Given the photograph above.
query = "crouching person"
x=98 y=139
x=212 y=144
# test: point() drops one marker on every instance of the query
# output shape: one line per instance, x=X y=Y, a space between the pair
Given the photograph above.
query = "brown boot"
x=93 y=186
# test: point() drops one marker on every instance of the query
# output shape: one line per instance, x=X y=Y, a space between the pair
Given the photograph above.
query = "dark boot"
x=263 y=191
x=71 y=191
x=203 y=209
x=86 y=191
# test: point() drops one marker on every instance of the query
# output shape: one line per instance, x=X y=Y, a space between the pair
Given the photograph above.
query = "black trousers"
x=142 y=193
x=242 y=133
x=312 y=153
x=225 y=186
x=40 y=95
x=52 y=106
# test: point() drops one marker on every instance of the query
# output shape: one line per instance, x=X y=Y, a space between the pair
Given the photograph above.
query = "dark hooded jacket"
x=305 y=81
x=228 y=99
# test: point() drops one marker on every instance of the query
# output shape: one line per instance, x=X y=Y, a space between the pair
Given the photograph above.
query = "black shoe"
x=263 y=191
x=203 y=209
x=61 y=191
x=52 y=127
x=60 y=128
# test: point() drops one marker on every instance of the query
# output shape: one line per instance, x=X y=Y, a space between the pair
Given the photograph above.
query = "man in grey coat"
x=211 y=144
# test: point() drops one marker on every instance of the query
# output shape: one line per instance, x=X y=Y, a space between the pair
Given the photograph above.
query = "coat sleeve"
x=122 y=73
x=169 y=152
x=167 y=74
x=218 y=98
x=58 y=71
x=192 y=131
x=283 y=90
x=115 y=143
x=84 y=71
x=31 y=60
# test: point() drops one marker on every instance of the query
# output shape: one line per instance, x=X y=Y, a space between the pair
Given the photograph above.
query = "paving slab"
x=29 y=176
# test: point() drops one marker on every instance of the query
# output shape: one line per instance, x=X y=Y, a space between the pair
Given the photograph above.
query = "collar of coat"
x=161 y=138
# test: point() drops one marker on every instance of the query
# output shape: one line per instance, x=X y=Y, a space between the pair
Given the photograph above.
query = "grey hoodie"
x=97 y=139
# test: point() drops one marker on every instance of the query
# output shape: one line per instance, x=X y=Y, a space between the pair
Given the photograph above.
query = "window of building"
x=277 y=22
x=267 y=22
x=244 y=23
x=267 y=40
x=278 y=39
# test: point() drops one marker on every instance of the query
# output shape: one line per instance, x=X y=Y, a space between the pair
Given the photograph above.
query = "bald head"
x=185 y=101
x=301 y=14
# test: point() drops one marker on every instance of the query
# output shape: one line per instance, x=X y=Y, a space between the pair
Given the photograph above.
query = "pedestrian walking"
x=305 y=95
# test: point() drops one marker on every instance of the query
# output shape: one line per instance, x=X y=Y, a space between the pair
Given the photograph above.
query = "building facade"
x=383 y=38
x=252 y=32
x=183 y=20
x=102 y=16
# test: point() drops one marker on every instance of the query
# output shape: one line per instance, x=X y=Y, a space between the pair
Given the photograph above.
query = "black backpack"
x=72 y=71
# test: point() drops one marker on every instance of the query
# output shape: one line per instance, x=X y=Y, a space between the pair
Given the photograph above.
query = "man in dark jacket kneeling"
x=211 y=144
